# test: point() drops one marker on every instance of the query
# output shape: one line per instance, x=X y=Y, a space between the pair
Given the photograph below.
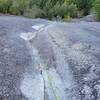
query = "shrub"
x=61 y=10
x=55 y=10
x=5 y=5
x=46 y=8
x=96 y=7
x=69 y=10
x=34 y=12
x=84 y=5
x=19 y=6
x=73 y=11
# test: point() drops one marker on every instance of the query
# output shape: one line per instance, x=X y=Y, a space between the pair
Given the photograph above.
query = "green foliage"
x=5 y=5
x=96 y=7
x=46 y=8
x=34 y=12
x=84 y=5
x=72 y=10
x=19 y=6
x=59 y=8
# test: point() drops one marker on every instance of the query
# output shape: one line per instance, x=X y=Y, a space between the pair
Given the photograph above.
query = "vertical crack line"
x=41 y=72
x=53 y=87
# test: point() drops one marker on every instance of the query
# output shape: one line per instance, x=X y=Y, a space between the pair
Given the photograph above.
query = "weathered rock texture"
x=43 y=60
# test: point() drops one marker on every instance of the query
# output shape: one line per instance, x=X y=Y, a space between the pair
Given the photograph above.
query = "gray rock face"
x=13 y=57
x=90 y=18
x=43 y=60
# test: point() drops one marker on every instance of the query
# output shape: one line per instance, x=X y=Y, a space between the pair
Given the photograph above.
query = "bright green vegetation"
x=97 y=8
x=47 y=8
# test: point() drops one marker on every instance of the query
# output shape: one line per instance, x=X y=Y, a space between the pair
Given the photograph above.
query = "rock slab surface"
x=45 y=60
